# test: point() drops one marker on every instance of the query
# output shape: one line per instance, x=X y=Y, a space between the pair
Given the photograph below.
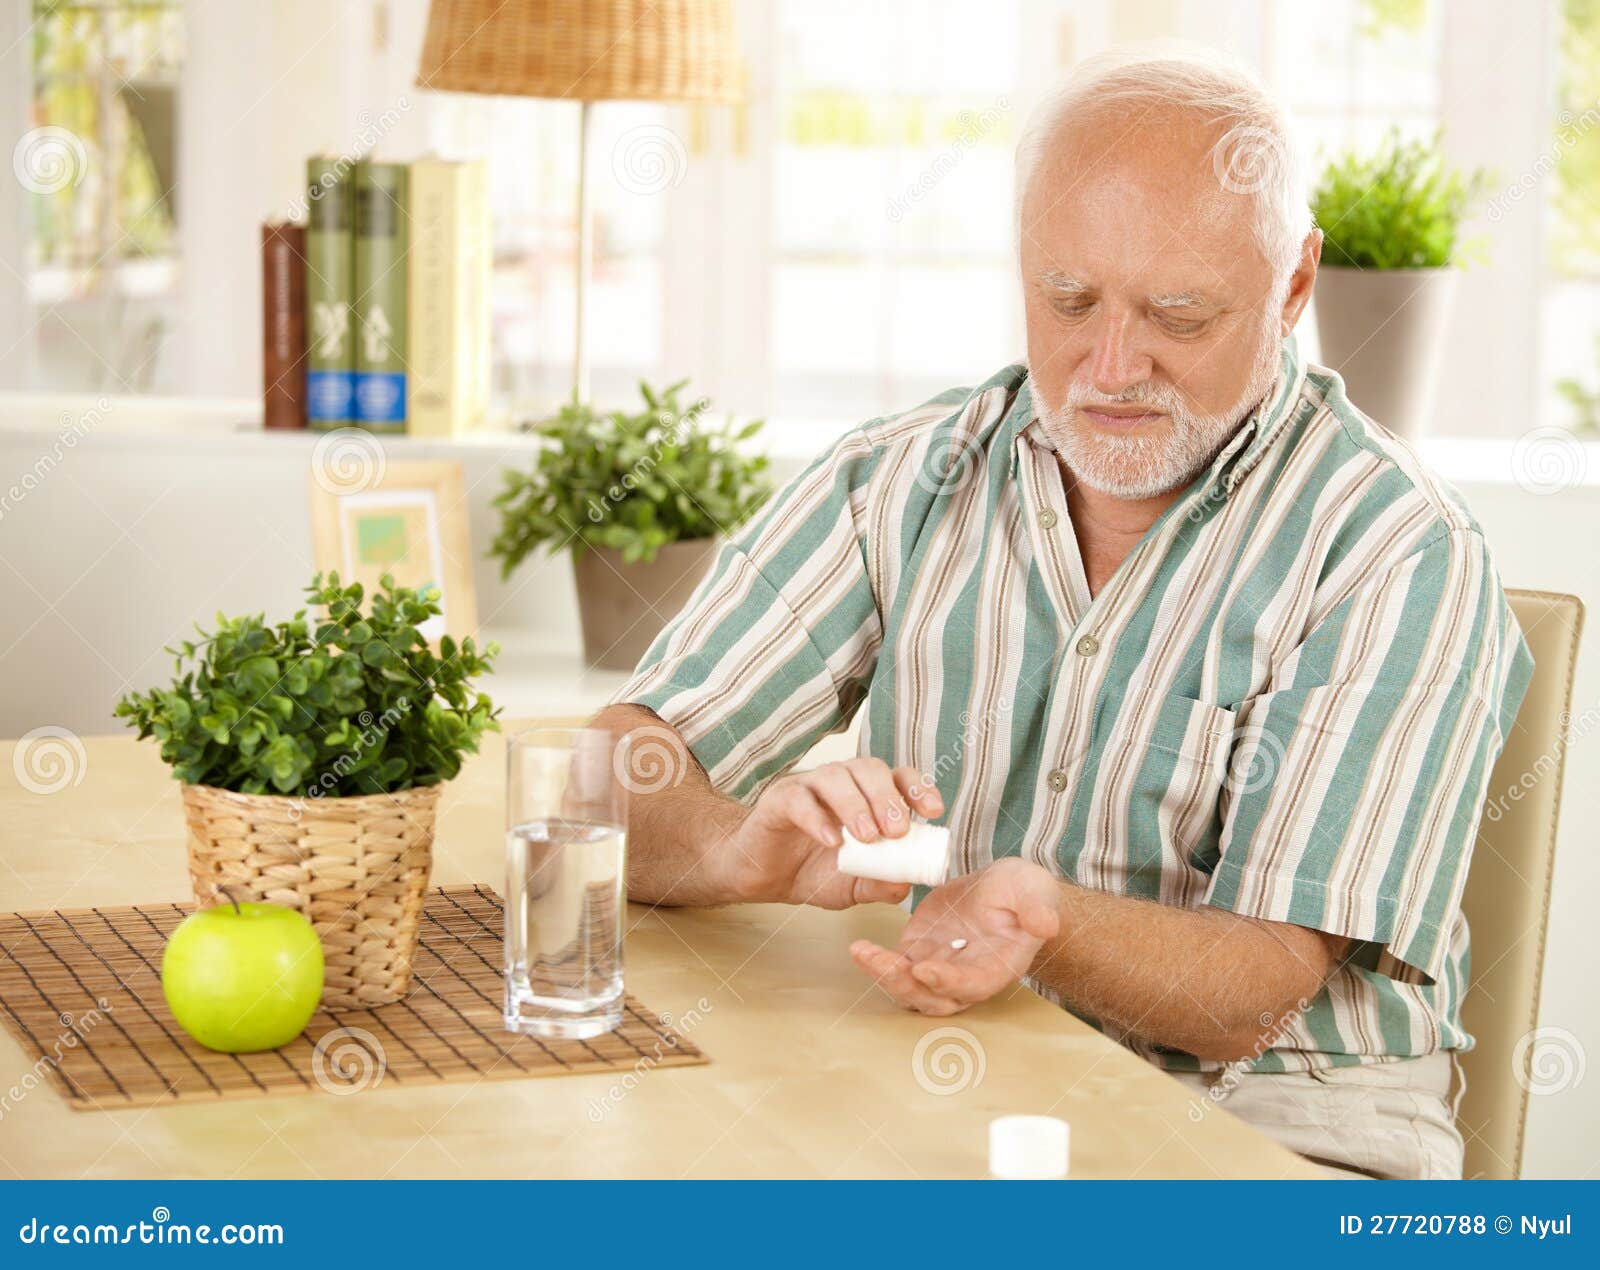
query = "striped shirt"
x=1284 y=703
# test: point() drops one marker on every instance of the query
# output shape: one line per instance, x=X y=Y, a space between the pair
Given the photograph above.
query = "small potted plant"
x=640 y=499
x=311 y=755
x=1391 y=222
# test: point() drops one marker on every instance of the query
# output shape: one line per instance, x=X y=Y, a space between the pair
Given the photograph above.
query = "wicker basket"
x=356 y=867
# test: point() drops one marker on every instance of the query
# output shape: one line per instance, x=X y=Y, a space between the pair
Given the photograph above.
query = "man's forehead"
x=1122 y=213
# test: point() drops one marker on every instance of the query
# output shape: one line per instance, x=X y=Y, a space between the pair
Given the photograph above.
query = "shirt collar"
x=1245 y=448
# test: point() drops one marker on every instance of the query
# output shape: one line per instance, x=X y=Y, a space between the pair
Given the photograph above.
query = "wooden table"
x=814 y=1073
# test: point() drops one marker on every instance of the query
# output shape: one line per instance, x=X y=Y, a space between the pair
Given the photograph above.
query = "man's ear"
x=1301 y=281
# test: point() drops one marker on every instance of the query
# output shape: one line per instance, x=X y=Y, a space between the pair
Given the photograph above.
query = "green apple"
x=243 y=977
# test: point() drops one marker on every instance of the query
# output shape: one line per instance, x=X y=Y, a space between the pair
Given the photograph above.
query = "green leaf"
x=631 y=481
x=260 y=708
x=1398 y=207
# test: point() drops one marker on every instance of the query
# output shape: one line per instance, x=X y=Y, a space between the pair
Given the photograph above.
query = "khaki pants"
x=1377 y=1120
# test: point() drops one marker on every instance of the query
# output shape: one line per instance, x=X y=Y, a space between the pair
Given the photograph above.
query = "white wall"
x=133 y=533
x=264 y=87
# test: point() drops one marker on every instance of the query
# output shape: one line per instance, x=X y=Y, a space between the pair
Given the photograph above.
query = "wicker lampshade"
x=583 y=50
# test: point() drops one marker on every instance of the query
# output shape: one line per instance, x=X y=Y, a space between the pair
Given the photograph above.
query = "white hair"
x=1256 y=156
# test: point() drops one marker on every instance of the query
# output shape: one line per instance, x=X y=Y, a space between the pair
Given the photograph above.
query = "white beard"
x=1144 y=464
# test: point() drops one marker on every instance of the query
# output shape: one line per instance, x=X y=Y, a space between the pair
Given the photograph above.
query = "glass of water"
x=566 y=834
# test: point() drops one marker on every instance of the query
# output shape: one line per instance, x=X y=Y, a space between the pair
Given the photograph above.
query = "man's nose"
x=1116 y=363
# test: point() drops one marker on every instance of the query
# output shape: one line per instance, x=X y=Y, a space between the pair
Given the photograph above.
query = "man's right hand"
x=785 y=850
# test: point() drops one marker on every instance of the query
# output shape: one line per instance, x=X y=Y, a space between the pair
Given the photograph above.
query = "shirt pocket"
x=1191 y=798
x=1155 y=801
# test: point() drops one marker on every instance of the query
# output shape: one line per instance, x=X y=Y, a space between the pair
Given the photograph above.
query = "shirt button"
x=1057 y=780
x=1088 y=646
x=1047 y=519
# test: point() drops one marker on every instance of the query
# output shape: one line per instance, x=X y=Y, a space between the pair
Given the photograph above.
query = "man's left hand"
x=1000 y=917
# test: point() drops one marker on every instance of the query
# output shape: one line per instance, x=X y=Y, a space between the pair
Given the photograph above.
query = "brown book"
x=283 y=325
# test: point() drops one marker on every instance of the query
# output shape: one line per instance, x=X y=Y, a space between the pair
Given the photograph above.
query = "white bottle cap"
x=921 y=856
x=1028 y=1147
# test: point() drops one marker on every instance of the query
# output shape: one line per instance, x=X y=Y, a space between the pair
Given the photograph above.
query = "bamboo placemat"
x=80 y=989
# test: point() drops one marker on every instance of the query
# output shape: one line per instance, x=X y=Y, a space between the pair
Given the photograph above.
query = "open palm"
x=969 y=939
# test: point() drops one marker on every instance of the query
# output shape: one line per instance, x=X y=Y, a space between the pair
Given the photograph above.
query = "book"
x=330 y=279
x=449 y=302
x=382 y=239
x=283 y=325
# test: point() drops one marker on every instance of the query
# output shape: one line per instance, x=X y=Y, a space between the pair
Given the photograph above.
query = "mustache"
x=1161 y=396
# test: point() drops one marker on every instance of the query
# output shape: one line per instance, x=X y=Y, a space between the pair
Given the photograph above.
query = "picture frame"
x=408 y=519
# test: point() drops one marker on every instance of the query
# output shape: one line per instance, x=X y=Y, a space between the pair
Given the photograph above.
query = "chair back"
x=1507 y=896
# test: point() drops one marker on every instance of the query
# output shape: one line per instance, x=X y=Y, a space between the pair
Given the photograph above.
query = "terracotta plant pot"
x=623 y=607
x=1383 y=331
x=356 y=867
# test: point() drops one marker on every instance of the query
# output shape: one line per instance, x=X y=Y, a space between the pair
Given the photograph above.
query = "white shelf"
x=201 y=426
x=536 y=678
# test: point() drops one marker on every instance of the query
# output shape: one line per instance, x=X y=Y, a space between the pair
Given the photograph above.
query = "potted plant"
x=640 y=499
x=311 y=755
x=1390 y=222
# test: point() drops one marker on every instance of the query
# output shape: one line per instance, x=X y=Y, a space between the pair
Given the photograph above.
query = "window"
x=98 y=166
x=1349 y=70
x=635 y=161
x=1571 y=317
x=890 y=240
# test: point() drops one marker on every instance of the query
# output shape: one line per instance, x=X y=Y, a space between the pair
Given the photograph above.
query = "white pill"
x=922 y=856
x=958 y=944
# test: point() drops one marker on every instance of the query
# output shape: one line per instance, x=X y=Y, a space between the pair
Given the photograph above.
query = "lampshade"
x=583 y=50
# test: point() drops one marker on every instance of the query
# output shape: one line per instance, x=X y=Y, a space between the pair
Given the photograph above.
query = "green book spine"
x=382 y=235
x=330 y=282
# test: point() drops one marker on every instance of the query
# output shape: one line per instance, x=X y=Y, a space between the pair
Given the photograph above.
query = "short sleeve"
x=1359 y=774
x=775 y=648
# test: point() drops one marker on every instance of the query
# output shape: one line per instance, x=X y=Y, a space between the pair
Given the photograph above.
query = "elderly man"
x=1202 y=669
